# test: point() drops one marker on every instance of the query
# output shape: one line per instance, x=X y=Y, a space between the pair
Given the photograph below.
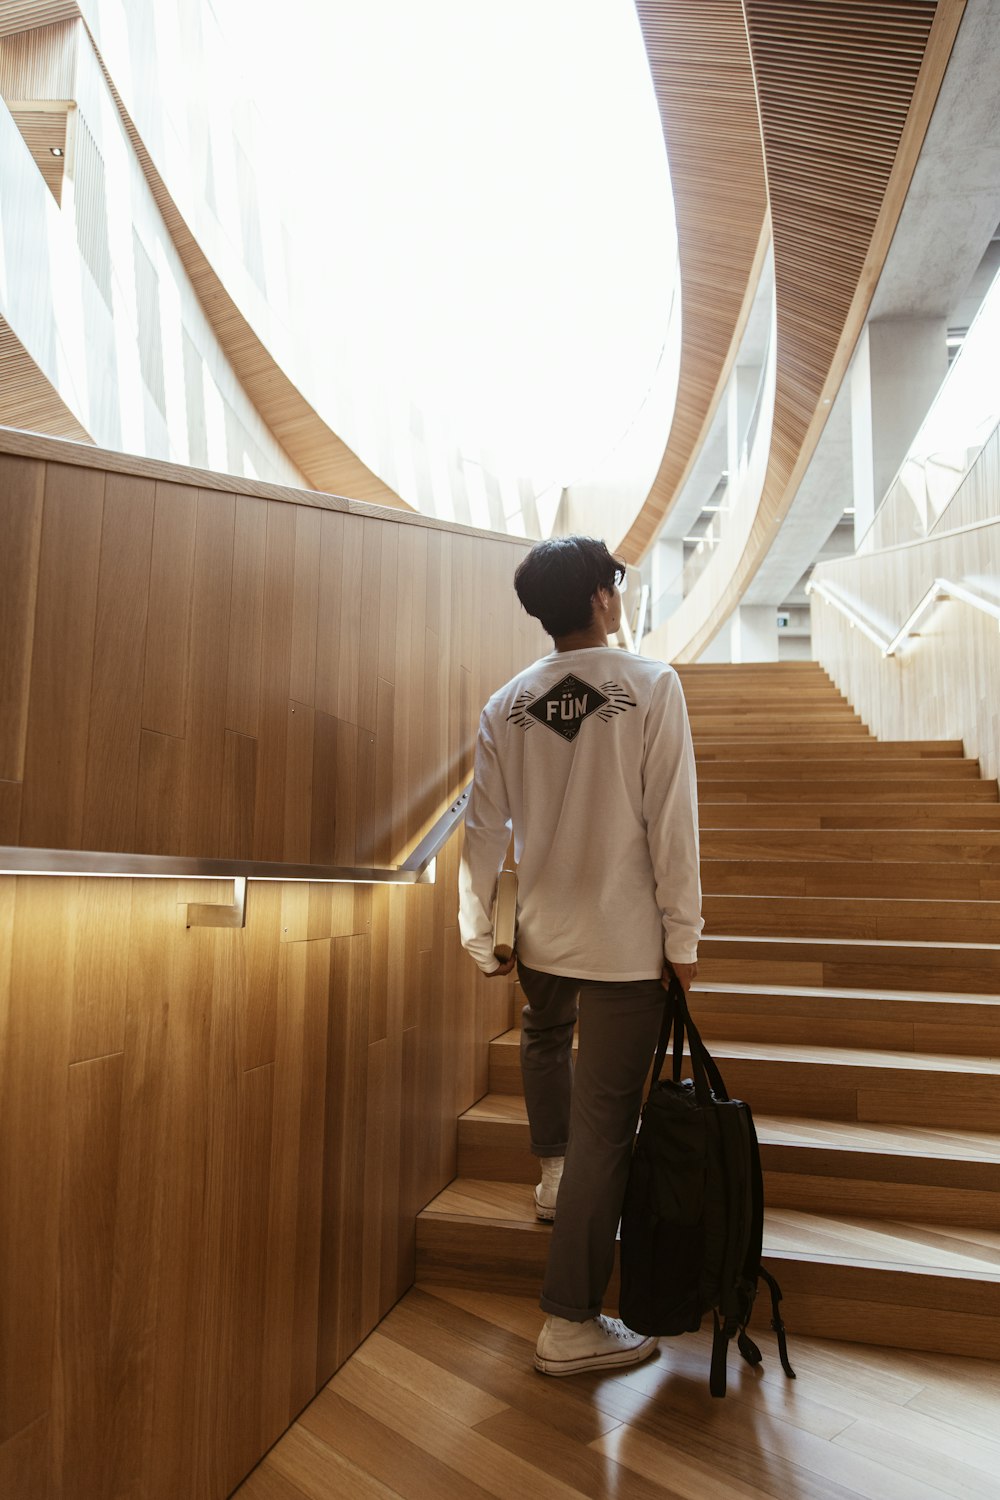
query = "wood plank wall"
x=188 y=670
x=213 y=1144
x=945 y=683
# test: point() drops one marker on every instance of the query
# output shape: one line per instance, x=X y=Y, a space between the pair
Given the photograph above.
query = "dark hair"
x=557 y=581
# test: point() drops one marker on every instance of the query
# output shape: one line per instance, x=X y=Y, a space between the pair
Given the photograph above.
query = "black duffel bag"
x=693 y=1216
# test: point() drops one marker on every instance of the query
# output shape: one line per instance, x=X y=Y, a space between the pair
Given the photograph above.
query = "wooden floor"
x=442 y=1403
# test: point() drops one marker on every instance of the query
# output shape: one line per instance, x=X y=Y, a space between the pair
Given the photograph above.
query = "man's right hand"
x=503 y=969
x=686 y=973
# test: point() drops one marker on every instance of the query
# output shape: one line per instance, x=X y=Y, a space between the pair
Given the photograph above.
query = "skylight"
x=481 y=237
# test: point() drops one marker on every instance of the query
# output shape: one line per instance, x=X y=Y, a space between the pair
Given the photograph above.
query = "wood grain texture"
x=443 y=1401
x=111 y=794
x=213 y=1145
x=21 y=491
x=27 y=397
x=194 y=671
x=62 y=662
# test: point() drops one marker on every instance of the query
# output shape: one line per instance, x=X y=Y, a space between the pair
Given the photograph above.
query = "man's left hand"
x=686 y=973
x=503 y=969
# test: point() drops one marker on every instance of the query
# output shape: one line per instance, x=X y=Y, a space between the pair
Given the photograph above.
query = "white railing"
x=940 y=589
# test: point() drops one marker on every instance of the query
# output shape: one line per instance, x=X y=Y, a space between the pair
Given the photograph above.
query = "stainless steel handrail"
x=417 y=868
x=940 y=590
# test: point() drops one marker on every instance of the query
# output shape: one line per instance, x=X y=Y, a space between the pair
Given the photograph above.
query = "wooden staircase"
x=849 y=987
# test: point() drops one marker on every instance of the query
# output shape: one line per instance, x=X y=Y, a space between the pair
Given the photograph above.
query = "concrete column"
x=718 y=650
x=896 y=373
x=754 y=633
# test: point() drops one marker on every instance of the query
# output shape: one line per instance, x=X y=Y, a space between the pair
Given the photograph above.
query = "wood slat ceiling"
x=43 y=130
x=26 y=15
x=27 y=399
x=845 y=90
x=700 y=64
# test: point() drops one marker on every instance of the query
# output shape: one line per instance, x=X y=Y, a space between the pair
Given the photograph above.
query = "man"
x=587 y=755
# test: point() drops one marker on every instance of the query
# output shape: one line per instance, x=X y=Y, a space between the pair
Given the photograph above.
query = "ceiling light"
x=56 y=150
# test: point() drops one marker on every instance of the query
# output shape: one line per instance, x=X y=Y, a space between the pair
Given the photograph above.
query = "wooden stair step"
x=943 y=1176
x=750 y=671
x=814 y=768
x=972 y=881
x=837 y=1083
x=888 y=1020
x=793 y=713
x=897 y=920
x=936 y=845
x=861 y=750
x=855 y=789
x=808 y=697
x=884 y=1019
x=714 y=728
x=850 y=963
x=906 y=816
x=887 y=1281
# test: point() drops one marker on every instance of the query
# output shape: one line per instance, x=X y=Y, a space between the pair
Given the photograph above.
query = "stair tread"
x=849 y=1057
x=842 y=992
x=959 y=906
x=943 y=1250
x=908 y=749
x=840 y=1135
x=882 y=944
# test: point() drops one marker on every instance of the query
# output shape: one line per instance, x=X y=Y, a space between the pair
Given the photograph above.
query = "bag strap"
x=777 y=1324
x=677 y=1019
x=721 y=1335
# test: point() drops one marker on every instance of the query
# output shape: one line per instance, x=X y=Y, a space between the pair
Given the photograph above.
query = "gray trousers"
x=589 y=1118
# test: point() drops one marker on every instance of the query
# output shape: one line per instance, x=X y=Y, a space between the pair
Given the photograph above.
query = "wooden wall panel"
x=211 y=593
x=213 y=1144
x=21 y=489
x=83 y=1394
x=10 y=811
x=246 y=615
x=34 y=1067
x=164 y=703
x=62 y=661
x=111 y=794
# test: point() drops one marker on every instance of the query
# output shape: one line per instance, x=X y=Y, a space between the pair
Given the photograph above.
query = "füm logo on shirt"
x=564 y=706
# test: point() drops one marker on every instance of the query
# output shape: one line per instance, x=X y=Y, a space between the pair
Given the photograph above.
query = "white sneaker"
x=548 y=1189
x=566 y=1348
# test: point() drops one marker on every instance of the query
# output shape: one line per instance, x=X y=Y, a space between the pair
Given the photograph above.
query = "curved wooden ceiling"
x=28 y=399
x=699 y=59
x=845 y=91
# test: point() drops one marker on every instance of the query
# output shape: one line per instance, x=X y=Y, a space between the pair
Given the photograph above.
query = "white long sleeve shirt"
x=587 y=755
